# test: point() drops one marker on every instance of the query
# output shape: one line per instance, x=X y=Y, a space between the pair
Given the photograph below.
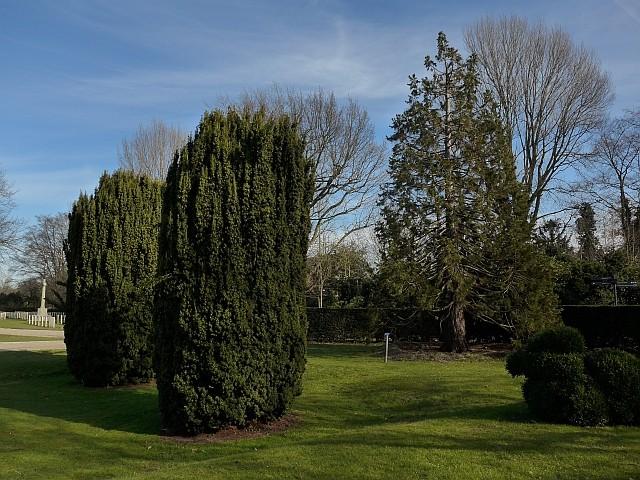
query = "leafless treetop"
x=340 y=142
x=150 y=150
x=9 y=232
x=552 y=93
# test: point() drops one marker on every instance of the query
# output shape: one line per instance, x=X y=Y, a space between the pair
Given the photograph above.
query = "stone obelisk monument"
x=42 y=311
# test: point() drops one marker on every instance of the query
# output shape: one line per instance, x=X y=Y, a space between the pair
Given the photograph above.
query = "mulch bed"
x=252 y=430
x=423 y=351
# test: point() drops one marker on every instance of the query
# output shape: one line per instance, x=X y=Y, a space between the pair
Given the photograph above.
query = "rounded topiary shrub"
x=230 y=304
x=557 y=340
x=617 y=374
x=577 y=402
x=557 y=388
x=111 y=253
x=564 y=384
x=557 y=367
x=587 y=406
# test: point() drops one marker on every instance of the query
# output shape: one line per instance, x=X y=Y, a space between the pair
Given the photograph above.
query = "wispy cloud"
x=631 y=8
x=81 y=75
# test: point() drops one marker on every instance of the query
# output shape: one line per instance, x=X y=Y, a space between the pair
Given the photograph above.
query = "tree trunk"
x=454 y=330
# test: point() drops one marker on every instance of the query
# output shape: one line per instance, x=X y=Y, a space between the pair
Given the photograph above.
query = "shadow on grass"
x=415 y=398
x=39 y=383
x=352 y=412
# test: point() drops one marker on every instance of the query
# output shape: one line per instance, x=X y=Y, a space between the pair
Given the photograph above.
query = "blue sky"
x=78 y=76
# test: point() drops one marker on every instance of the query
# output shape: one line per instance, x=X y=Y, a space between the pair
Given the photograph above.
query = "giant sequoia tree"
x=230 y=306
x=111 y=251
x=451 y=211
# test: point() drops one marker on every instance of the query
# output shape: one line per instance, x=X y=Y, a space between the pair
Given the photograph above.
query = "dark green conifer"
x=111 y=252
x=230 y=306
x=586 y=230
x=450 y=212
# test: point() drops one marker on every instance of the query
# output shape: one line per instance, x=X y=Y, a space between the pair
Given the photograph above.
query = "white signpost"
x=386 y=347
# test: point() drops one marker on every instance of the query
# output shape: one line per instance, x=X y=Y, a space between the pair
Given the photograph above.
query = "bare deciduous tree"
x=151 y=149
x=612 y=175
x=551 y=92
x=9 y=232
x=340 y=142
x=328 y=262
x=41 y=254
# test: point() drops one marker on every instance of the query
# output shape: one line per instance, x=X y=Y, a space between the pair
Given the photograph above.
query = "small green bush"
x=586 y=405
x=542 y=399
x=617 y=374
x=558 y=385
x=577 y=401
x=557 y=340
x=554 y=367
x=517 y=362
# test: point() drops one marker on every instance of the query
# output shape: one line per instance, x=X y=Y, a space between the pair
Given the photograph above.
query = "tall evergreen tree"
x=451 y=162
x=111 y=252
x=518 y=293
x=455 y=213
x=586 y=230
x=230 y=307
x=551 y=237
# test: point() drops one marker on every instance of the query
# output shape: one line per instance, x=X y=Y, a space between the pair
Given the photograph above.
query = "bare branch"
x=151 y=149
x=9 y=225
x=41 y=255
x=340 y=142
x=552 y=93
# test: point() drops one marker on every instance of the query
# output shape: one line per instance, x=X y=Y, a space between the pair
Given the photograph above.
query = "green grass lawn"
x=14 y=323
x=18 y=338
x=360 y=419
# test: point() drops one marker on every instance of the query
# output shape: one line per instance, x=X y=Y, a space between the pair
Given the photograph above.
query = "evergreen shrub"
x=111 y=253
x=557 y=340
x=617 y=374
x=564 y=384
x=230 y=303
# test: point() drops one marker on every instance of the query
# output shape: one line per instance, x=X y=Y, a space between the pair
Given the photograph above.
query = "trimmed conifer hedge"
x=601 y=325
x=370 y=324
x=111 y=252
x=606 y=325
x=230 y=306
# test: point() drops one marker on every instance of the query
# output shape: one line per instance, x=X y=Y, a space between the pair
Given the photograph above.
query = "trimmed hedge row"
x=370 y=324
x=601 y=326
x=605 y=325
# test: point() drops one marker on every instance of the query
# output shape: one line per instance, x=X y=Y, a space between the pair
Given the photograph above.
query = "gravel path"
x=33 y=346
x=56 y=342
x=32 y=333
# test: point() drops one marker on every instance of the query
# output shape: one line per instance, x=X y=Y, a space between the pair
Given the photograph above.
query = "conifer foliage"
x=230 y=308
x=111 y=251
x=453 y=208
x=450 y=163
